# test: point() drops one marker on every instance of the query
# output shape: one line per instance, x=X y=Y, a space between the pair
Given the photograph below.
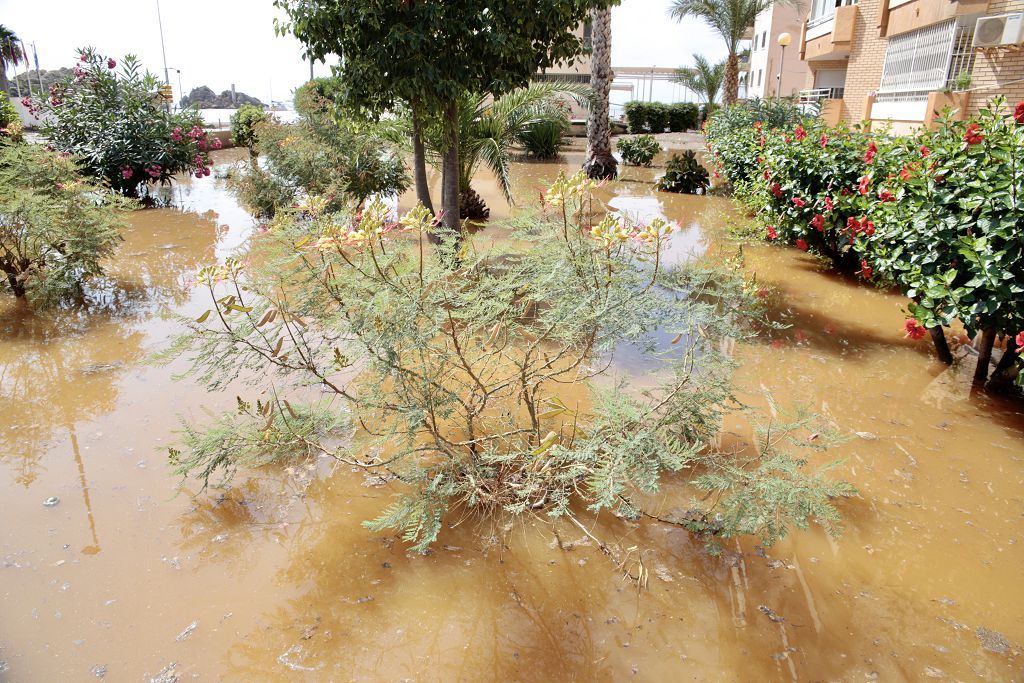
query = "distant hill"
x=204 y=98
x=48 y=78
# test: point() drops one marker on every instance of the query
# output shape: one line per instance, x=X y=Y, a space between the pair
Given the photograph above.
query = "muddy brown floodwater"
x=275 y=579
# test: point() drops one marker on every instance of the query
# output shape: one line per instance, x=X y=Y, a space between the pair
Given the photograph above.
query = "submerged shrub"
x=55 y=228
x=682 y=116
x=684 y=173
x=244 y=126
x=109 y=117
x=638 y=151
x=543 y=139
x=454 y=381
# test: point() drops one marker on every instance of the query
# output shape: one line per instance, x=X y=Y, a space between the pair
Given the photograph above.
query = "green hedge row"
x=657 y=117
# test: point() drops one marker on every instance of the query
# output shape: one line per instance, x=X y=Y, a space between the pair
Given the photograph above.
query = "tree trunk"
x=986 y=340
x=600 y=161
x=4 y=84
x=17 y=287
x=419 y=163
x=450 y=169
x=941 y=345
x=732 y=79
x=1005 y=372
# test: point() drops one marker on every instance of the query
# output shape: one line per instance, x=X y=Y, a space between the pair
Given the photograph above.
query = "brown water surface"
x=275 y=579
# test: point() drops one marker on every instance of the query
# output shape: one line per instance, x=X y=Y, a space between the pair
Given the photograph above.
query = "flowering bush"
x=244 y=127
x=734 y=134
x=114 y=123
x=937 y=214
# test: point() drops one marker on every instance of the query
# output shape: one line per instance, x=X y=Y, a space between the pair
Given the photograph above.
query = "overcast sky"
x=219 y=42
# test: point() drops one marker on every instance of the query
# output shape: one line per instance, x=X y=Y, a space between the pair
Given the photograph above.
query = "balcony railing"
x=815 y=95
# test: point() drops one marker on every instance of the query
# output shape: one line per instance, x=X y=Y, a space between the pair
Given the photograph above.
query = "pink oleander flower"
x=111 y=64
x=79 y=72
x=217 y=144
x=176 y=134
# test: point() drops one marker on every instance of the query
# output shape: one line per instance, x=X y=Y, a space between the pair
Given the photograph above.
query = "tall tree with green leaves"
x=427 y=53
x=703 y=78
x=10 y=54
x=601 y=163
x=730 y=19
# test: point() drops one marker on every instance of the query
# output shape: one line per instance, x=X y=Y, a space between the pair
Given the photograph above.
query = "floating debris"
x=188 y=631
x=771 y=614
x=993 y=641
x=97 y=368
x=99 y=671
x=51 y=501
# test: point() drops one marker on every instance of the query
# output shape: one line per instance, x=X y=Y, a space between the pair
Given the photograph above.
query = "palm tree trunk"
x=450 y=169
x=732 y=79
x=4 y=85
x=600 y=161
x=419 y=162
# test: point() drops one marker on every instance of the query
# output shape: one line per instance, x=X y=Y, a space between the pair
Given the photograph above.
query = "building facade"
x=766 y=55
x=901 y=62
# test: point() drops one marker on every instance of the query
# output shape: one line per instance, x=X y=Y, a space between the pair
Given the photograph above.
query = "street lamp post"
x=783 y=40
x=167 y=74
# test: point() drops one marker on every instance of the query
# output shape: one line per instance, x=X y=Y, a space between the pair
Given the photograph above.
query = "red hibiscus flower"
x=762 y=140
x=869 y=155
x=771 y=232
x=853 y=225
x=1018 y=112
x=760 y=160
x=818 y=222
x=776 y=190
x=766 y=175
x=800 y=133
x=868 y=227
x=865 y=270
x=905 y=173
x=863 y=186
x=829 y=204
x=924 y=151
x=914 y=329
x=801 y=245
x=823 y=141
x=971 y=135
x=1020 y=337
x=886 y=196
x=843 y=192
x=799 y=203
x=757 y=126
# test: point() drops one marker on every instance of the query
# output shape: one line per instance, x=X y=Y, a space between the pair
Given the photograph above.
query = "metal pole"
x=167 y=74
x=181 y=91
x=39 y=75
x=778 y=87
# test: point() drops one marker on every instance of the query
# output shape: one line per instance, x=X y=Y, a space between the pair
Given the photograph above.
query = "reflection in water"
x=284 y=584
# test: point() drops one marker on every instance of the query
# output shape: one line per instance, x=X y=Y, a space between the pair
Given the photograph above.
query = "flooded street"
x=275 y=578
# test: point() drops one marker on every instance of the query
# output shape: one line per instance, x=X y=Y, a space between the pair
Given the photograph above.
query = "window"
x=822 y=11
x=764 y=39
x=760 y=72
x=921 y=61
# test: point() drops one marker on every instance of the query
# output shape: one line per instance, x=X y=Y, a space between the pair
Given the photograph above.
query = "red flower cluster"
x=924 y=151
x=857 y=226
x=869 y=155
x=801 y=244
x=799 y=202
x=771 y=232
x=829 y=204
x=863 y=186
x=818 y=222
x=127 y=172
x=154 y=170
x=776 y=190
x=111 y=64
x=905 y=173
x=1020 y=337
x=971 y=135
x=886 y=196
x=757 y=125
x=914 y=329
x=800 y=133
x=865 y=270
x=823 y=141
x=1018 y=112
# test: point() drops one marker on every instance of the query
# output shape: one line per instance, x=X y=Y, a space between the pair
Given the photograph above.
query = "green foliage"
x=638 y=151
x=704 y=78
x=682 y=116
x=733 y=133
x=111 y=120
x=684 y=173
x=486 y=389
x=962 y=81
x=245 y=123
x=543 y=139
x=323 y=154
x=55 y=228
x=8 y=114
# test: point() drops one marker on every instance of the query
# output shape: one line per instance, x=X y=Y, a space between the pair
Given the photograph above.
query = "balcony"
x=825 y=102
x=830 y=36
x=901 y=16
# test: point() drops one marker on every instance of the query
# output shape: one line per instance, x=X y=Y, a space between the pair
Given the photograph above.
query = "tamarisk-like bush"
x=461 y=373
x=937 y=214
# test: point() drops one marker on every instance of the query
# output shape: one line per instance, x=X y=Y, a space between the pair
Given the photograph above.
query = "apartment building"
x=766 y=55
x=900 y=62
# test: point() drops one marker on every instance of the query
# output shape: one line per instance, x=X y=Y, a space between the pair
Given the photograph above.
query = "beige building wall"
x=998 y=70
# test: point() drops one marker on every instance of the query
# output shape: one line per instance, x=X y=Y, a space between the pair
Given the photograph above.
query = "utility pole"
x=167 y=74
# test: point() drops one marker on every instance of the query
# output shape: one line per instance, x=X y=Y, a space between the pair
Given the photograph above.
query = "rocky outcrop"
x=204 y=98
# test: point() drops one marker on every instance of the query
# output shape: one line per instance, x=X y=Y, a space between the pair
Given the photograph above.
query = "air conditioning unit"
x=1001 y=29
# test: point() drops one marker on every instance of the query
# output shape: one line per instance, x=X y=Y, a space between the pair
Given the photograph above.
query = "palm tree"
x=704 y=78
x=600 y=161
x=730 y=19
x=10 y=53
x=488 y=129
